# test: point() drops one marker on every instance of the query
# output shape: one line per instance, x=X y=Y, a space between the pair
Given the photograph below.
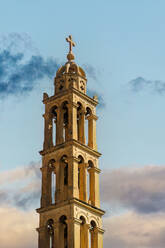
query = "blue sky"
x=121 y=43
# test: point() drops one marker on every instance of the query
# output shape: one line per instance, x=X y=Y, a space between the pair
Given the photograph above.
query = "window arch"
x=84 y=233
x=50 y=232
x=64 y=171
x=52 y=180
x=63 y=232
x=82 y=179
x=65 y=121
x=80 y=123
x=54 y=124
x=93 y=235
x=91 y=183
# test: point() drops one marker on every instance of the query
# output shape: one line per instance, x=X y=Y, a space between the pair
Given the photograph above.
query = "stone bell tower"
x=70 y=214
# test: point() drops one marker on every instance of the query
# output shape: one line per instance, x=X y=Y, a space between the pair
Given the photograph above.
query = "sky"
x=120 y=45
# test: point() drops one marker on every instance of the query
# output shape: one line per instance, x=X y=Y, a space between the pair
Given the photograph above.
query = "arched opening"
x=80 y=123
x=65 y=121
x=63 y=232
x=54 y=124
x=52 y=180
x=82 y=179
x=84 y=233
x=88 y=126
x=90 y=183
x=50 y=232
x=93 y=235
x=64 y=177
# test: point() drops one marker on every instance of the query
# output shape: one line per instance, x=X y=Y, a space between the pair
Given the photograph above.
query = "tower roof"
x=71 y=67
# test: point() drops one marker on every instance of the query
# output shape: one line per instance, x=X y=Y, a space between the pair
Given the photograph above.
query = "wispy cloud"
x=101 y=101
x=138 y=84
x=141 y=190
x=21 y=187
x=21 y=68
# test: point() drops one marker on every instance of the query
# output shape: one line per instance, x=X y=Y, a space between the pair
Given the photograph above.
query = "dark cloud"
x=91 y=71
x=18 y=76
x=140 y=189
x=92 y=93
x=138 y=84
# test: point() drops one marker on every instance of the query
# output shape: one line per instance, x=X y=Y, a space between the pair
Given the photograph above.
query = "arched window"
x=65 y=121
x=64 y=167
x=50 y=231
x=84 y=233
x=80 y=123
x=90 y=183
x=82 y=179
x=54 y=124
x=52 y=180
x=63 y=232
x=88 y=126
x=93 y=235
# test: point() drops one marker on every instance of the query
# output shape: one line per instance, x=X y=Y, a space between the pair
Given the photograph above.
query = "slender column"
x=43 y=238
x=94 y=198
x=84 y=235
x=72 y=119
x=57 y=192
x=58 y=126
x=92 y=131
x=74 y=233
x=94 y=238
x=83 y=182
x=48 y=139
x=46 y=197
x=56 y=235
x=100 y=237
x=73 y=190
x=82 y=127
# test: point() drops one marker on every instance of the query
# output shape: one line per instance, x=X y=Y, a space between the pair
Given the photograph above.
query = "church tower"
x=70 y=214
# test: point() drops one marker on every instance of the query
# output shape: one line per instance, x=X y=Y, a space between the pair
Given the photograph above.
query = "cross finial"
x=71 y=44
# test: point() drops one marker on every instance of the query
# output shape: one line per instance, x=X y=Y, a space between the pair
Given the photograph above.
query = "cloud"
x=134 y=230
x=139 y=189
x=18 y=228
x=91 y=71
x=21 y=187
x=92 y=93
x=138 y=84
x=20 y=69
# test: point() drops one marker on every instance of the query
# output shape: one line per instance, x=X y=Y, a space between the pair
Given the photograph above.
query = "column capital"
x=92 y=117
x=94 y=169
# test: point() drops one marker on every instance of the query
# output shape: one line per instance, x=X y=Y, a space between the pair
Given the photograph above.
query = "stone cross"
x=71 y=43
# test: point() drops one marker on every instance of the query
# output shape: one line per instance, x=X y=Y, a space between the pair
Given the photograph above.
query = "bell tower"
x=70 y=214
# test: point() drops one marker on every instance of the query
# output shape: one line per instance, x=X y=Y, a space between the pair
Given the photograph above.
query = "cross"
x=71 y=43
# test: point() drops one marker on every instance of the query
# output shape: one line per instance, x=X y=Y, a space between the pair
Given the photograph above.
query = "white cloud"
x=17 y=228
x=132 y=230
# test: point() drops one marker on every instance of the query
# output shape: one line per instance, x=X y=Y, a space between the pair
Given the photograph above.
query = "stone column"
x=92 y=131
x=100 y=237
x=43 y=238
x=72 y=121
x=46 y=197
x=82 y=127
x=84 y=235
x=56 y=234
x=83 y=182
x=94 y=197
x=58 y=126
x=57 y=192
x=48 y=138
x=73 y=190
x=74 y=233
